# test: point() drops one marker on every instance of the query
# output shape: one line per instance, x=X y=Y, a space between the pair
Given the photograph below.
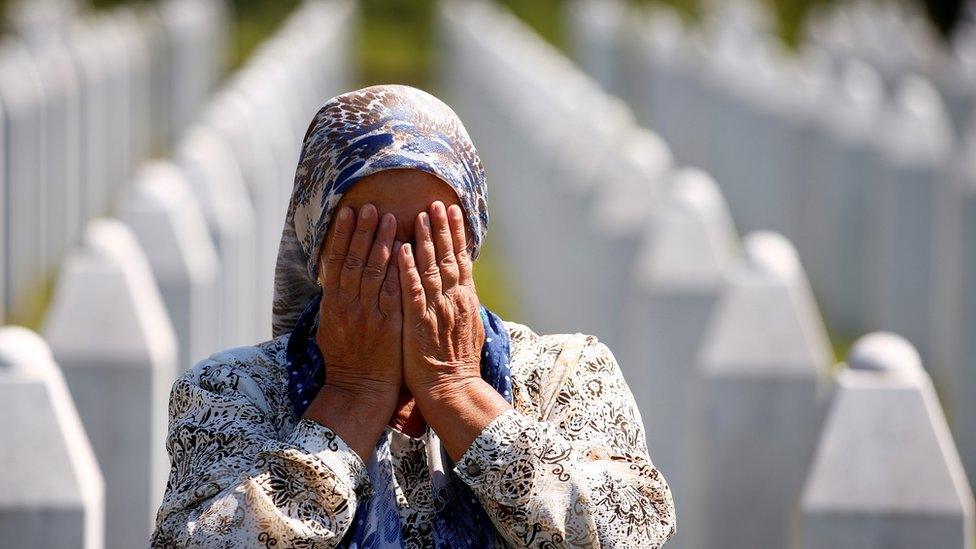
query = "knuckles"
x=353 y=261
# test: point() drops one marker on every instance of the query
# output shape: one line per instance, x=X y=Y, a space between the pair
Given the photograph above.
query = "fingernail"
x=425 y=219
x=366 y=212
x=406 y=248
x=344 y=214
x=387 y=220
x=455 y=211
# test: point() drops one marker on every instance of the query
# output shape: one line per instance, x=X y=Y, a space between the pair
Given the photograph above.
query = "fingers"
x=456 y=218
x=443 y=246
x=389 y=299
x=411 y=289
x=362 y=240
x=375 y=270
x=426 y=259
x=338 y=246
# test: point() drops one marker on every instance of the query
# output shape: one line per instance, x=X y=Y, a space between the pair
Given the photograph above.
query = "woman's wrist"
x=356 y=413
x=458 y=409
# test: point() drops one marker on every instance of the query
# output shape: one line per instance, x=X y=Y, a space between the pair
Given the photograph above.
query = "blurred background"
x=767 y=209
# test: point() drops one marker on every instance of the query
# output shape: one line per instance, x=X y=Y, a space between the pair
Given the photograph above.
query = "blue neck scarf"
x=460 y=521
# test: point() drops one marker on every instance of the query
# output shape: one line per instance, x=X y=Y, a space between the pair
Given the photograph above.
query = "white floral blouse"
x=568 y=466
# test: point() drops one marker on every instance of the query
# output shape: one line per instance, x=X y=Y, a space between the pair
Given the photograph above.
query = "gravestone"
x=62 y=138
x=634 y=182
x=96 y=119
x=594 y=26
x=760 y=367
x=131 y=28
x=215 y=177
x=673 y=96
x=193 y=31
x=886 y=473
x=915 y=140
x=22 y=102
x=955 y=321
x=678 y=275
x=118 y=90
x=162 y=211
x=253 y=136
x=51 y=490
x=833 y=221
x=108 y=329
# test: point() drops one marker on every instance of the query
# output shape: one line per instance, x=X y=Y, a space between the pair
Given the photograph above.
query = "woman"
x=391 y=409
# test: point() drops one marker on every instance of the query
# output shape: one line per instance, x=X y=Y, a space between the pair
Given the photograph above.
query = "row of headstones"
x=860 y=149
x=143 y=296
x=85 y=97
x=764 y=441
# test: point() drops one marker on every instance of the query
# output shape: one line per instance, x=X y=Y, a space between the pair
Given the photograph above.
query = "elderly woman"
x=391 y=409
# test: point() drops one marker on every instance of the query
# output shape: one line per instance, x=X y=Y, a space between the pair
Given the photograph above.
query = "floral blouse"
x=568 y=466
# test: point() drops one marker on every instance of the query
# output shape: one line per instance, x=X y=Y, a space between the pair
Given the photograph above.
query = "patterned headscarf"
x=354 y=135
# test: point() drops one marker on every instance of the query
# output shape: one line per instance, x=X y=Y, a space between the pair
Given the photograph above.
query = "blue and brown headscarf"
x=354 y=135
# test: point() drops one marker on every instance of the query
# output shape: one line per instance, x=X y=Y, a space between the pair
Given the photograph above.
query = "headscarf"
x=354 y=135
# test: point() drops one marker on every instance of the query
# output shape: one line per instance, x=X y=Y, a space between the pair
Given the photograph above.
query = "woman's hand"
x=442 y=330
x=360 y=327
x=360 y=319
x=443 y=333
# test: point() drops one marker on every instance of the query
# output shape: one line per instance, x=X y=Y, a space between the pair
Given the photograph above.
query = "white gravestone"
x=108 y=329
x=132 y=31
x=162 y=211
x=833 y=220
x=886 y=474
x=252 y=135
x=915 y=139
x=62 y=139
x=22 y=101
x=112 y=48
x=678 y=275
x=51 y=490
x=955 y=321
x=215 y=177
x=760 y=368
x=96 y=119
x=633 y=185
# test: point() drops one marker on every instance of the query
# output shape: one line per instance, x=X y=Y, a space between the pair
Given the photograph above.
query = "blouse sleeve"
x=235 y=481
x=579 y=477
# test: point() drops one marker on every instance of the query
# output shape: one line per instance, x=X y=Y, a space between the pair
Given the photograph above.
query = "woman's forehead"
x=402 y=192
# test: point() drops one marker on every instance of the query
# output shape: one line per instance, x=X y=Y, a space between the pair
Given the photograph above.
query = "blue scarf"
x=460 y=522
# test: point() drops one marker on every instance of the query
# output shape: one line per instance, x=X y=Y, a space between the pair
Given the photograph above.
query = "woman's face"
x=403 y=193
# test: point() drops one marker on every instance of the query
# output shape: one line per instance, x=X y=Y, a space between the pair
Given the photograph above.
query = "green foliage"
x=395 y=42
x=254 y=21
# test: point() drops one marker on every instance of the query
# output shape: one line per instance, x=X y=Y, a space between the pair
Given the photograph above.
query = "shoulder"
x=529 y=347
x=255 y=374
x=552 y=366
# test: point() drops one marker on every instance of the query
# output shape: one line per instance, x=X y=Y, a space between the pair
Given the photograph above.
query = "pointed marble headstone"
x=22 y=101
x=215 y=177
x=51 y=489
x=954 y=323
x=688 y=251
x=886 y=473
x=760 y=368
x=162 y=211
x=108 y=329
x=915 y=140
x=62 y=99
x=632 y=186
x=833 y=220
x=96 y=120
